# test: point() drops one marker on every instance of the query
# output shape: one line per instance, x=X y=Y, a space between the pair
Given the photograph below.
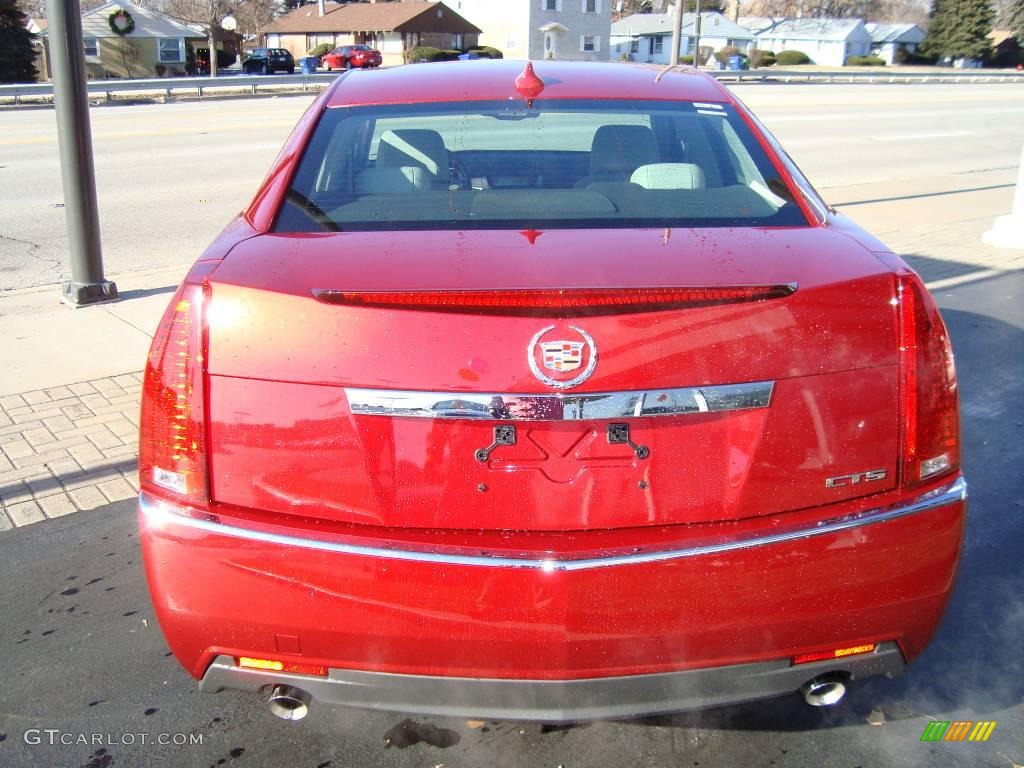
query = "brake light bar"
x=546 y=302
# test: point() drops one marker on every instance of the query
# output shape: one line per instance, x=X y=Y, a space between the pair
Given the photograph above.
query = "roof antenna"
x=665 y=71
x=529 y=85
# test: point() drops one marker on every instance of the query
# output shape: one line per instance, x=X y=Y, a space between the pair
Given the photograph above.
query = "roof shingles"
x=373 y=17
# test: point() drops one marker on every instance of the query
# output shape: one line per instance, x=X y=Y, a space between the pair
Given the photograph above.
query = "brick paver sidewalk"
x=68 y=448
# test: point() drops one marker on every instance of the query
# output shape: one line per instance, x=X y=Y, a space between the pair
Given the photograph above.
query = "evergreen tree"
x=17 y=55
x=960 y=28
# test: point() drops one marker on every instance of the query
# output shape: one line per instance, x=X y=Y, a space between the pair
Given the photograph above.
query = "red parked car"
x=548 y=395
x=352 y=57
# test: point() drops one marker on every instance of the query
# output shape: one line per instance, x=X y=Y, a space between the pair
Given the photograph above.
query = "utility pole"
x=74 y=137
x=696 y=33
x=677 y=32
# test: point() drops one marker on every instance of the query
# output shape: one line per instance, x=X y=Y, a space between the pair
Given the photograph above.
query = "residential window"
x=590 y=43
x=172 y=50
x=552 y=5
x=91 y=45
x=634 y=45
x=510 y=42
x=591 y=6
x=659 y=44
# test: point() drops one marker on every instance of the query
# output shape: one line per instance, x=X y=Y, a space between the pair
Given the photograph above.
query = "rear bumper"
x=604 y=635
x=558 y=701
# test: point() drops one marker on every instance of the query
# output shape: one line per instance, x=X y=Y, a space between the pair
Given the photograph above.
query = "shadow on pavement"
x=944 y=193
x=975 y=661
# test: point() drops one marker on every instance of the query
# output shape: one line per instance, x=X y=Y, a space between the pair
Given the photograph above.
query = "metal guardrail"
x=170 y=85
x=872 y=76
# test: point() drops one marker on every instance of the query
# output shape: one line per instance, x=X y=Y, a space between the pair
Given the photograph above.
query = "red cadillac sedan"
x=552 y=394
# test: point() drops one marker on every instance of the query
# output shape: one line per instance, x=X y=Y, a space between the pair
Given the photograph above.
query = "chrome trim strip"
x=159 y=513
x=560 y=407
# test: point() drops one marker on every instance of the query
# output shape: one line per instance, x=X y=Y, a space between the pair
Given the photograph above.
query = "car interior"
x=678 y=166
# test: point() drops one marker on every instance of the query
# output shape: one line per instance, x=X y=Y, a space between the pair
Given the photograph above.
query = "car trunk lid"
x=442 y=416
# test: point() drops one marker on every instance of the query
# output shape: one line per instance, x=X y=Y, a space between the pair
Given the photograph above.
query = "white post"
x=1008 y=231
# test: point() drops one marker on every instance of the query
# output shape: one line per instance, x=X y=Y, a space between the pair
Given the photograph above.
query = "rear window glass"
x=559 y=164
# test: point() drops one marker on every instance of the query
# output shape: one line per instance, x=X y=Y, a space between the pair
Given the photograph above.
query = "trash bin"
x=735 y=63
x=309 y=65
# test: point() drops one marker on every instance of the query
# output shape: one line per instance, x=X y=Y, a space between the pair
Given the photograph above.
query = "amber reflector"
x=838 y=653
x=245 y=661
x=547 y=302
x=281 y=666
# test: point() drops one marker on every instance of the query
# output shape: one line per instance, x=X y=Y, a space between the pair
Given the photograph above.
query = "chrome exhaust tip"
x=288 y=703
x=824 y=691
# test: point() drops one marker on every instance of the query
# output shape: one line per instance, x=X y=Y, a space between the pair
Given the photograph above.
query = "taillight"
x=550 y=302
x=929 y=411
x=172 y=440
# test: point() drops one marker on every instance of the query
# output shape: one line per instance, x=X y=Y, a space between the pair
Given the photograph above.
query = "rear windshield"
x=361 y=48
x=558 y=164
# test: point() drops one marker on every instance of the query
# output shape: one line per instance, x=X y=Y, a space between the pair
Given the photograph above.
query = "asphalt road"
x=170 y=176
x=84 y=658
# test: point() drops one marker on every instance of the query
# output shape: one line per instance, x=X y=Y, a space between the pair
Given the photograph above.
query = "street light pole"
x=696 y=33
x=677 y=32
x=74 y=136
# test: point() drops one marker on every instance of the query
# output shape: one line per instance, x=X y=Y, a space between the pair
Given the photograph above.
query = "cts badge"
x=857 y=477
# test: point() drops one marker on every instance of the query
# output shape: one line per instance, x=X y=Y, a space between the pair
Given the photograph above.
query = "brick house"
x=390 y=27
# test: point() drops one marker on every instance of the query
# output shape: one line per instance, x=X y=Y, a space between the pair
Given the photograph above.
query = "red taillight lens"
x=929 y=410
x=172 y=444
x=556 y=302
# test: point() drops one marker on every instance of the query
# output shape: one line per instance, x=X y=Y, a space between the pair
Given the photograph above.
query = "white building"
x=542 y=29
x=647 y=37
x=888 y=39
x=827 y=41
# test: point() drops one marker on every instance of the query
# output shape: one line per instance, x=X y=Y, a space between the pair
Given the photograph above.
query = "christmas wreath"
x=121 y=22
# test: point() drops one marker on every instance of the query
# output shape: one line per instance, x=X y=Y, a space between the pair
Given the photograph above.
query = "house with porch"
x=647 y=37
x=390 y=27
x=826 y=41
x=888 y=40
x=543 y=29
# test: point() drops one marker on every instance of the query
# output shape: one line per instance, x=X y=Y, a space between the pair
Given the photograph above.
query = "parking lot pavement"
x=87 y=659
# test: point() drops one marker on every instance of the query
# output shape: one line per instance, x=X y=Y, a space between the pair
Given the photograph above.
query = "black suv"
x=266 y=60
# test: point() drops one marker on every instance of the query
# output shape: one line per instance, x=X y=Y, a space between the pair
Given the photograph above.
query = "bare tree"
x=253 y=16
x=36 y=9
x=207 y=14
x=910 y=11
x=128 y=53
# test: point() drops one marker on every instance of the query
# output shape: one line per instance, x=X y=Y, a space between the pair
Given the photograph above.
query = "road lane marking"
x=121 y=135
x=921 y=136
